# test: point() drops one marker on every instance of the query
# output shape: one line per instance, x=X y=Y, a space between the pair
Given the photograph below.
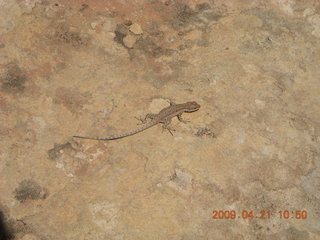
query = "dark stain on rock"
x=71 y=37
x=151 y=49
x=14 y=79
x=183 y=19
x=83 y=7
x=29 y=190
x=119 y=37
x=205 y=132
x=72 y=99
x=213 y=16
x=154 y=31
x=120 y=32
x=58 y=149
x=199 y=17
x=184 y=15
x=276 y=23
x=203 y=6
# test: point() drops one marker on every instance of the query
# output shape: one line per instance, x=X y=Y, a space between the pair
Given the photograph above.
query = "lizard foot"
x=141 y=120
x=181 y=119
x=168 y=128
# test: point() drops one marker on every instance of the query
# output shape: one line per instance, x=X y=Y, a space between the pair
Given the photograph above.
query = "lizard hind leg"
x=144 y=120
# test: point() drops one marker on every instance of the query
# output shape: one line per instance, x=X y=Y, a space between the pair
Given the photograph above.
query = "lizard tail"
x=121 y=135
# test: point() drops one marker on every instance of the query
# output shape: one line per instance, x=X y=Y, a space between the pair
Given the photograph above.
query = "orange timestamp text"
x=263 y=214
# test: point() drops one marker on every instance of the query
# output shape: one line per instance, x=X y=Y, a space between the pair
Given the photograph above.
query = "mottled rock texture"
x=90 y=67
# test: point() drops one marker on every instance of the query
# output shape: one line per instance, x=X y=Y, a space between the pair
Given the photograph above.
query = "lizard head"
x=192 y=106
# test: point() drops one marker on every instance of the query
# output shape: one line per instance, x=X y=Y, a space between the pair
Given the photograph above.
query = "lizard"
x=164 y=117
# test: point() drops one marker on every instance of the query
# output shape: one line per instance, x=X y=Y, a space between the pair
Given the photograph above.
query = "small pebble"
x=94 y=24
x=136 y=28
x=127 y=23
x=129 y=40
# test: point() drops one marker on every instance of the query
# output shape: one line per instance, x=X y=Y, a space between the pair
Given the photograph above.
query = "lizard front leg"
x=165 y=125
x=181 y=119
